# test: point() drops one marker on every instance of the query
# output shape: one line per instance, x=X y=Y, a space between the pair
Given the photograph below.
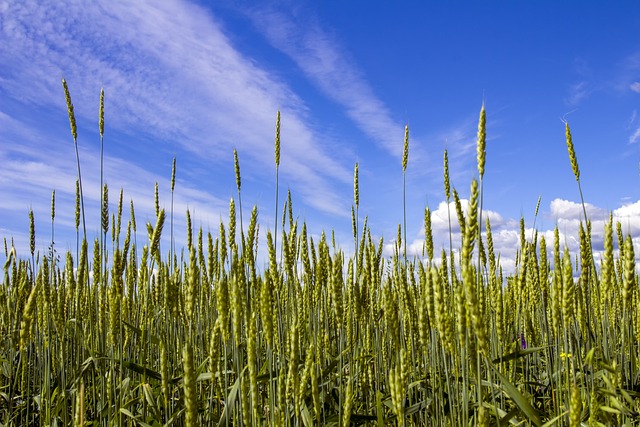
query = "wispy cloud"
x=328 y=66
x=625 y=78
x=578 y=92
x=632 y=118
x=169 y=71
x=582 y=86
x=635 y=137
x=460 y=143
x=30 y=174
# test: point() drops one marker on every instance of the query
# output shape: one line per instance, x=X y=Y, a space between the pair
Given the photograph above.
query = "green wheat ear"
x=405 y=152
x=156 y=199
x=236 y=165
x=356 y=188
x=105 y=209
x=72 y=117
x=447 y=184
x=155 y=236
x=173 y=175
x=77 y=216
x=572 y=152
x=482 y=141
x=101 y=114
x=428 y=233
x=53 y=205
x=32 y=234
x=277 y=153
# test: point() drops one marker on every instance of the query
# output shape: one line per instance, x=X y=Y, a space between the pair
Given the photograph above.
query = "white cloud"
x=629 y=217
x=629 y=210
x=568 y=210
x=440 y=216
x=635 y=137
x=635 y=86
x=506 y=231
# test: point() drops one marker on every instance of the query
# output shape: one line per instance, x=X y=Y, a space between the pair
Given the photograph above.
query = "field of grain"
x=126 y=332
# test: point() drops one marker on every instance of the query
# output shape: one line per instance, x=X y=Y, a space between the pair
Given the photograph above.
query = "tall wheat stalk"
x=74 y=133
x=405 y=160
x=277 y=161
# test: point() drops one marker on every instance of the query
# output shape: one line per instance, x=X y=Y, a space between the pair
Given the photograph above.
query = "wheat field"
x=124 y=332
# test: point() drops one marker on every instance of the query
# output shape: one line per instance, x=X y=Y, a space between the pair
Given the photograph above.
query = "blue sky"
x=197 y=79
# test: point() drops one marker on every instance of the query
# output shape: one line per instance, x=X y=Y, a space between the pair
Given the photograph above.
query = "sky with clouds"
x=197 y=79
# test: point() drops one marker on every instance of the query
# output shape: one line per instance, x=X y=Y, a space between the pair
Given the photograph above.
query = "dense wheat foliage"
x=126 y=332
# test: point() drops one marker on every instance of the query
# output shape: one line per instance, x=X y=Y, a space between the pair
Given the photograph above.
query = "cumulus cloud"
x=567 y=210
x=446 y=229
x=506 y=232
x=629 y=217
